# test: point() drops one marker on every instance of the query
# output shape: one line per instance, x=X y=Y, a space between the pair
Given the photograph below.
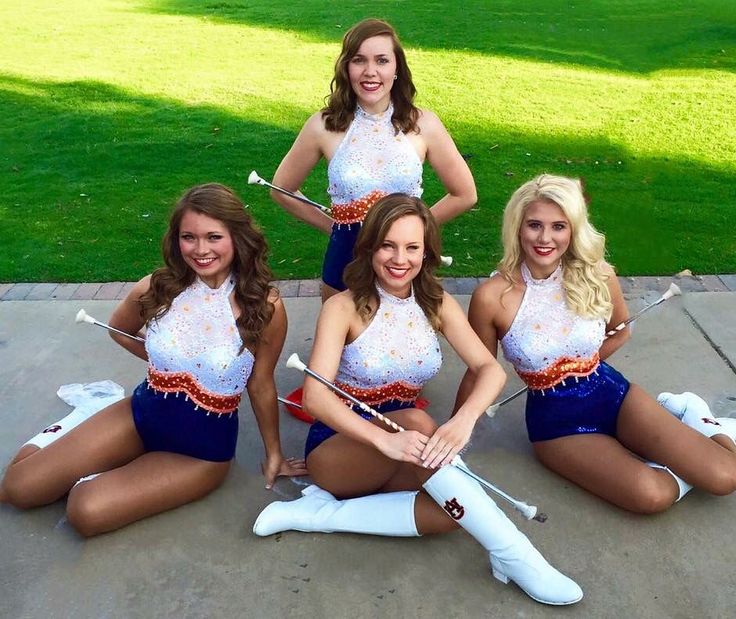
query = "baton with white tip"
x=528 y=511
x=672 y=291
x=83 y=316
x=289 y=402
x=254 y=179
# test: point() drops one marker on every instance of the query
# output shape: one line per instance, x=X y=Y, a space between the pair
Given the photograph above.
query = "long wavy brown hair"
x=249 y=267
x=342 y=100
x=359 y=275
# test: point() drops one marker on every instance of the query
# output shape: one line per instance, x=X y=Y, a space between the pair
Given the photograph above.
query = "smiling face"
x=207 y=247
x=371 y=71
x=544 y=236
x=399 y=257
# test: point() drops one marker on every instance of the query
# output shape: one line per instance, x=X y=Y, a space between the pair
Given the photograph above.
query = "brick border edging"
x=111 y=291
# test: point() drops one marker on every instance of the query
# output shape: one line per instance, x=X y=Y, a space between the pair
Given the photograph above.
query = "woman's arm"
x=448 y=163
x=620 y=313
x=127 y=317
x=490 y=378
x=304 y=154
x=262 y=395
x=333 y=327
x=480 y=317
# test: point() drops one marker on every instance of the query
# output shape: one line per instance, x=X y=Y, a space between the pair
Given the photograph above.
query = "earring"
x=396 y=77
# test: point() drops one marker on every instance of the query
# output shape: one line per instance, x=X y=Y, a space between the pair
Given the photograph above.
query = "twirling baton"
x=528 y=511
x=672 y=291
x=83 y=316
x=254 y=179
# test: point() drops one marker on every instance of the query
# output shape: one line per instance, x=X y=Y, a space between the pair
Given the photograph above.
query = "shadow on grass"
x=637 y=36
x=92 y=170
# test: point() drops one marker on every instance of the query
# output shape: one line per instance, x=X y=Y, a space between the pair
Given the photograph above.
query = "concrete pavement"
x=202 y=560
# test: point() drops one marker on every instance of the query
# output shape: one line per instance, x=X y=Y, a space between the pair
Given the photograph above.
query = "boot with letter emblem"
x=512 y=555
x=693 y=411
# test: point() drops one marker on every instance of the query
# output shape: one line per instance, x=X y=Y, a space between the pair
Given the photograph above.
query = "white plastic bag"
x=91 y=397
x=87 y=399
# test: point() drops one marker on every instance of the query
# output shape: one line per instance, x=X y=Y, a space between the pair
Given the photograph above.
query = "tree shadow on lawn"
x=92 y=171
x=630 y=37
x=660 y=215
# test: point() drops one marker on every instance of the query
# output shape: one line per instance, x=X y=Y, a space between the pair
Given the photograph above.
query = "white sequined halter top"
x=547 y=341
x=194 y=348
x=394 y=357
x=371 y=161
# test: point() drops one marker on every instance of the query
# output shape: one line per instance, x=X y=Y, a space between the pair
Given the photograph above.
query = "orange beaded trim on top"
x=559 y=371
x=354 y=212
x=175 y=382
x=399 y=390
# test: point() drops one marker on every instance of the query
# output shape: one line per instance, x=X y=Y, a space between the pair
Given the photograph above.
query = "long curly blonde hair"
x=583 y=275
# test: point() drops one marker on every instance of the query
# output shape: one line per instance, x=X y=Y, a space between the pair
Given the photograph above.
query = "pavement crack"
x=713 y=345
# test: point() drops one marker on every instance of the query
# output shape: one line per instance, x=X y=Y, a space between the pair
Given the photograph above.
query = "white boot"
x=56 y=430
x=729 y=426
x=680 y=403
x=681 y=483
x=390 y=514
x=512 y=555
x=693 y=411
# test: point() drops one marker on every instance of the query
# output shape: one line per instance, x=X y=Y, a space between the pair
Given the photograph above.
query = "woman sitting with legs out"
x=215 y=327
x=378 y=341
x=550 y=305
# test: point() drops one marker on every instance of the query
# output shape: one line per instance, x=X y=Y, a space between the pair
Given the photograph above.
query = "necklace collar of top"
x=378 y=116
x=554 y=279
x=225 y=287
x=387 y=296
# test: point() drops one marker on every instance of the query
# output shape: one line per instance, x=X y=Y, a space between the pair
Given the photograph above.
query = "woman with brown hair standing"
x=375 y=141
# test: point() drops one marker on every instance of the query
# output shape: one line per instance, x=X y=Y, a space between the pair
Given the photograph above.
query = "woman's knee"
x=85 y=512
x=652 y=493
x=18 y=489
x=721 y=481
x=419 y=420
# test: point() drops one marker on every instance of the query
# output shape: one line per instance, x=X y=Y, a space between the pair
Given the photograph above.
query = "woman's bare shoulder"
x=341 y=303
x=315 y=124
x=492 y=286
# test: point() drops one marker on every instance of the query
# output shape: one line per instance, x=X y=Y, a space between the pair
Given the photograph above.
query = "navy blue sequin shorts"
x=319 y=432
x=166 y=422
x=590 y=404
x=339 y=253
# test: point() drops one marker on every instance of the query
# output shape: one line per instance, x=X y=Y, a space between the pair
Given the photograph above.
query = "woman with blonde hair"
x=375 y=141
x=550 y=305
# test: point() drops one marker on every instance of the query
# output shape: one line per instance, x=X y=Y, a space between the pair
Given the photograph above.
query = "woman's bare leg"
x=347 y=469
x=106 y=440
x=650 y=431
x=152 y=483
x=603 y=466
x=607 y=467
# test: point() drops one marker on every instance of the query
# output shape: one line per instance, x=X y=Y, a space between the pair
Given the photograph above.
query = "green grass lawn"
x=109 y=110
